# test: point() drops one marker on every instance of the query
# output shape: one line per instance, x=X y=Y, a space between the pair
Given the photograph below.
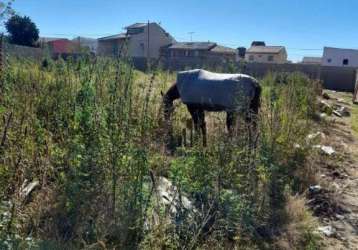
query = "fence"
x=335 y=78
x=21 y=52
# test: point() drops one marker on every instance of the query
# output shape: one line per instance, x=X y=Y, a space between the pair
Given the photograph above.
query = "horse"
x=202 y=91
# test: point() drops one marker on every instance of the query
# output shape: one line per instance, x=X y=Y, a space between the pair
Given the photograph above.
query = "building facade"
x=340 y=57
x=266 y=54
x=61 y=47
x=140 y=40
x=199 y=51
x=311 y=60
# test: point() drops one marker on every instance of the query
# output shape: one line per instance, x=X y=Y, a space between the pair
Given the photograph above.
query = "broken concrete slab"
x=314 y=188
x=328 y=231
x=341 y=111
x=169 y=195
x=168 y=199
x=315 y=136
x=325 y=107
x=325 y=149
x=27 y=188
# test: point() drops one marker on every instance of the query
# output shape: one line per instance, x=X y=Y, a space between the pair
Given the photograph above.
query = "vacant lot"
x=84 y=164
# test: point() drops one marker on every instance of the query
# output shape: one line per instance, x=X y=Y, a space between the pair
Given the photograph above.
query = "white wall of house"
x=280 y=57
x=340 y=57
x=138 y=43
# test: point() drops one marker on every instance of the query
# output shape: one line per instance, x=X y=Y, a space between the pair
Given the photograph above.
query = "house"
x=140 y=40
x=88 y=44
x=199 y=50
x=266 y=54
x=311 y=60
x=340 y=57
x=61 y=46
x=44 y=40
x=111 y=45
x=241 y=53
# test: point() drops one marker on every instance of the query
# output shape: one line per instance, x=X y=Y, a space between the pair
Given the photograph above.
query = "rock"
x=168 y=194
x=328 y=231
x=335 y=112
x=27 y=188
x=325 y=149
x=322 y=115
x=315 y=135
x=339 y=217
x=326 y=96
x=314 y=189
x=176 y=206
x=341 y=111
x=325 y=107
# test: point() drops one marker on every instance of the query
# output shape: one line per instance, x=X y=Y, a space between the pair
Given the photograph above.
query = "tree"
x=22 y=30
x=6 y=9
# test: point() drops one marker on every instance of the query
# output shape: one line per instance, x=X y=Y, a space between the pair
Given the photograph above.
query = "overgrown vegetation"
x=90 y=132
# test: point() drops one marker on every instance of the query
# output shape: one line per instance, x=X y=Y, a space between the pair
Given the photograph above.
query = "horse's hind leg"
x=230 y=120
x=202 y=125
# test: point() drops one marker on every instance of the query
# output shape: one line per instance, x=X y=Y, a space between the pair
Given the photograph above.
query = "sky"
x=304 y=27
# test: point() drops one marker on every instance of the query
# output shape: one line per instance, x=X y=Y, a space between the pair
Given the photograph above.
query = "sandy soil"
x=338 y=175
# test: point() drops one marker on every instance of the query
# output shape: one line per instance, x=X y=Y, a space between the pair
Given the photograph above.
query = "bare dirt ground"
x=335 y=202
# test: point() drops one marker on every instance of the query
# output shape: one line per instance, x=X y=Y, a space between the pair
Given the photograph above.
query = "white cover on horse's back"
x=229 y=91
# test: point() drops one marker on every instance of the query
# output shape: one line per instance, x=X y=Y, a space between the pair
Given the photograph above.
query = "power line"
x=304 y=49
x=191 y=35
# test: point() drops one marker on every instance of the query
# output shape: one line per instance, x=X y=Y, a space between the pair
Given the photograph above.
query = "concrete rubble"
x=328 y=150
x=328 y=231
x=168 y=194
x=325 y=107
x=341 y=111
x=27 y=188
x=175 y=205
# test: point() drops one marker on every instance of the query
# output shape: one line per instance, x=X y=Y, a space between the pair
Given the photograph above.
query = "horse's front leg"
x=198 y=117
x=251 y=124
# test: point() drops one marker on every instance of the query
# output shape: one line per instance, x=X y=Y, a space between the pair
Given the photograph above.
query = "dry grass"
x=298 y=232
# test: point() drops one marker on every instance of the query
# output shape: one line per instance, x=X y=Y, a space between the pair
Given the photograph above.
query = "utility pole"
x=148 y=40
x=191 y=35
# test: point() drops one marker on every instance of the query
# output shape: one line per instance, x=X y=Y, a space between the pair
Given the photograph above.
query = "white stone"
x=327 y=230
x=325 y=149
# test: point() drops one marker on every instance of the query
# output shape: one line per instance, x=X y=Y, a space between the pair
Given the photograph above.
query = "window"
x=270 y=58
x=251 y=58
x=329 y=60
x=345 y=61
x=134 y=31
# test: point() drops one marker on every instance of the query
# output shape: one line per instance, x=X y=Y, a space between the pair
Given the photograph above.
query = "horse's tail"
x=256 y=101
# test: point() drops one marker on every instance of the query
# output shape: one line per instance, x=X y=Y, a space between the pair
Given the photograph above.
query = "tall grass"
x=91 y=132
